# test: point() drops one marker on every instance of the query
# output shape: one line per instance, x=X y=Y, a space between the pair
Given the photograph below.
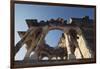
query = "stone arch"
x=41 y=31
x=63 y=29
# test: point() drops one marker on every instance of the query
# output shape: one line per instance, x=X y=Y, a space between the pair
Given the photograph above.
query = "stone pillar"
x=37 y=42
x=70 y=55
x=84 y=48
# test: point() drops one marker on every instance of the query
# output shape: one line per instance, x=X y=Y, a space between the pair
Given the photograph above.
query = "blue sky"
x=41 y=12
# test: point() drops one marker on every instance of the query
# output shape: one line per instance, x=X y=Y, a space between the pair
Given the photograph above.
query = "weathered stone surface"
x=37 y=31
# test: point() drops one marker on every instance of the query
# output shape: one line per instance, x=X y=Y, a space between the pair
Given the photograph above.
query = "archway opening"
x=52 y=38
